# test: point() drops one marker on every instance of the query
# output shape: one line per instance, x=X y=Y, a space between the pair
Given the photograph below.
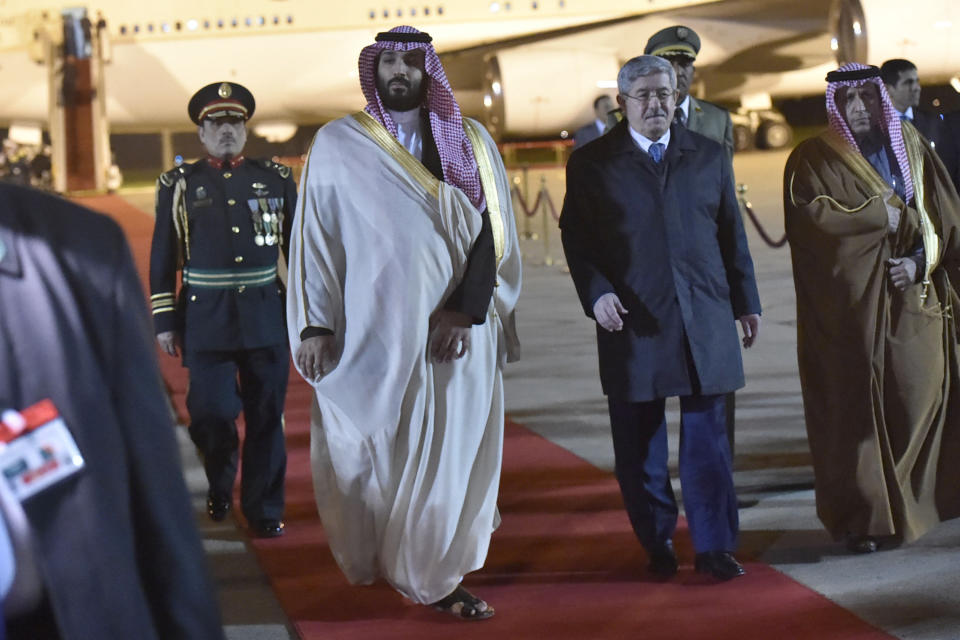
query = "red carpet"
x=563 y=565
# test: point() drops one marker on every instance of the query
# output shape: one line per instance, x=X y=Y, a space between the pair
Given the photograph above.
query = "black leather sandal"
x=464 y=605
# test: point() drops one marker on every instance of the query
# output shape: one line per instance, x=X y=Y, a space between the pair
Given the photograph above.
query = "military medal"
x=201 y=193
x=258 y=189
x=254 y=205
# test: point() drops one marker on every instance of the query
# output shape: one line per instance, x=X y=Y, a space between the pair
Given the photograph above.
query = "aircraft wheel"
x=742 y=137
x=774 y=135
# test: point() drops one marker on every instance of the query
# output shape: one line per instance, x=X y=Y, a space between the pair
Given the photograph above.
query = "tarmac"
x=911 y=592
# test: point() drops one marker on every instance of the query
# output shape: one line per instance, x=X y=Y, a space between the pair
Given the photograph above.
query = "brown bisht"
x=878 y=367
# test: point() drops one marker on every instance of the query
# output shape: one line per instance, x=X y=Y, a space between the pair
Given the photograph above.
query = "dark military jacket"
x=222 y=226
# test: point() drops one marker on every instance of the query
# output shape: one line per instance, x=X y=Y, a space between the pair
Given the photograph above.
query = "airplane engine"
x=541 y=91
x=926 y=33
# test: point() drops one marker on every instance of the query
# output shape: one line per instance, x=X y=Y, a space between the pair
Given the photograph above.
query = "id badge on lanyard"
x=37 y=450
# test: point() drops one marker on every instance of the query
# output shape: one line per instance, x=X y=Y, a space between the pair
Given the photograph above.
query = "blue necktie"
x=656 y=152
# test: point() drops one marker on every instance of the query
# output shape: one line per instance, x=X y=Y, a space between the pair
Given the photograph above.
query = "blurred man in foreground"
x=116 y=550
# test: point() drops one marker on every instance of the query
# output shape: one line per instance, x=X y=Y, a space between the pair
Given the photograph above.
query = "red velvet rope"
x=527 y=211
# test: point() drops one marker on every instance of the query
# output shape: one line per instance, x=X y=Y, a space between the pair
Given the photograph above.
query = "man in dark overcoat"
x=115 y=544
x=653 y=236
x=222 y=222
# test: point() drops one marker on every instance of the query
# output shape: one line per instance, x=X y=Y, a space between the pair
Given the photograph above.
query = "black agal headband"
x=394 y=36
x=853 y=74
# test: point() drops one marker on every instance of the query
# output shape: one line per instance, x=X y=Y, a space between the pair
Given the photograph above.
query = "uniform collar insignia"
x=218 y=164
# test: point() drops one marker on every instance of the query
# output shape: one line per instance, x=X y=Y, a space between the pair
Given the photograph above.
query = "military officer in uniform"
x=679 y=46
x=222 y=222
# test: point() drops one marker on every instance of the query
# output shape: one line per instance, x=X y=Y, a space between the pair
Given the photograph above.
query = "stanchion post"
x=527 y=232
x=742 y=194
x=547 y=258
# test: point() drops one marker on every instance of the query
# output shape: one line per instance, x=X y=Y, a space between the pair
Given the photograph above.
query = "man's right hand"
x=169 y=342
x=608 y=311
x=314 y=356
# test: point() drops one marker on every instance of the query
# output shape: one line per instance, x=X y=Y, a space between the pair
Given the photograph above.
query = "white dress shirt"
x=408 y=131
x=644 y=142
x=685 y=107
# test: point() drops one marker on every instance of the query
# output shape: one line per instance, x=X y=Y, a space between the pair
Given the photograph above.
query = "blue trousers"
x=706 y=474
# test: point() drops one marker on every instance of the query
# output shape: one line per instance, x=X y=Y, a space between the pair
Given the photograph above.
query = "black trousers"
x=222 y=383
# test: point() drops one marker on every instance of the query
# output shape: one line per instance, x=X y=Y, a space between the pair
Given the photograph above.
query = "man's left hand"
x=903 y=272
x=449 y=335
x=751 y=328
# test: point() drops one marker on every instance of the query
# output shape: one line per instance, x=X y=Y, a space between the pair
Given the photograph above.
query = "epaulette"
x=281 y=169
x=169 y=177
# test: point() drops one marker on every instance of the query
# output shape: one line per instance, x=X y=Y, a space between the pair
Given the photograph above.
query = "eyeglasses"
x=644 y=96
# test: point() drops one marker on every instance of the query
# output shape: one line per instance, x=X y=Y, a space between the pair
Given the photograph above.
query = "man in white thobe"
x=404 y=274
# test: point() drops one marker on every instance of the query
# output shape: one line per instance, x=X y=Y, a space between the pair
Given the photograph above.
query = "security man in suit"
x=222 y=222
x=903 y=85
x=679 y=46
x=602 y=106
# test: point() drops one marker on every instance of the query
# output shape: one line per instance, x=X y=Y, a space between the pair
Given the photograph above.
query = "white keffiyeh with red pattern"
x=456 y=154
x=890 y=121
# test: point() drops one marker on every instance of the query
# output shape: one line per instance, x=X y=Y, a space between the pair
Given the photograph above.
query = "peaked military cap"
x=674 y=41
x=221 y=99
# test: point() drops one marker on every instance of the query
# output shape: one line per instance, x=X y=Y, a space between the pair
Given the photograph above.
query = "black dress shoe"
x=719 y=564
x=268 y=528
x=663 y=560
x=861 y=544
x=217 y=507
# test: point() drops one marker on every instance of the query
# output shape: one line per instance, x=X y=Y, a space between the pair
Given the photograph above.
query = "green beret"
x=673 y=41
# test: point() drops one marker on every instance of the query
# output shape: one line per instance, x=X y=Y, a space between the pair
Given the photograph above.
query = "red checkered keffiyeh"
x=890 y=123
x=456 y=154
